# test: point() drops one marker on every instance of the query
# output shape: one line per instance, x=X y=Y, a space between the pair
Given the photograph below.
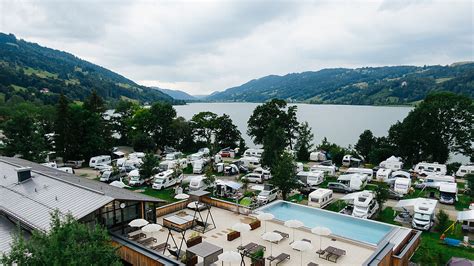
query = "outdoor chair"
x=159 y=247
x=283 y=234
x=278 y=259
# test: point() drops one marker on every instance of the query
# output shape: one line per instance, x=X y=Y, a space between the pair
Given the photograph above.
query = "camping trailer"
x=434 y=181
x=328 y=170
x=253 y=153
x=351 y=161
x=363 y=171
x=317 y=156
x=448 y=193
x=465 y=170
x=384 y=175
x=354 y=181
x=198 y=166
x=264 y=172
x=166 y=179
x=393 y=163
x=197 y=183
x=320 y=198
x=402 y=185
x=100 y=160
x=427 y=168
x=311 y=179
x=250 y=162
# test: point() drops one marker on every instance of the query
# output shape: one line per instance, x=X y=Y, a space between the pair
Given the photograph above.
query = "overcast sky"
x=204 y=46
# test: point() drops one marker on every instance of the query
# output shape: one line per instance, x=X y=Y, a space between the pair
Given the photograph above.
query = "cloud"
x=203 y=46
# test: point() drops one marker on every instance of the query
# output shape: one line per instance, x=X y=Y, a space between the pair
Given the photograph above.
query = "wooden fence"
x=226 y=205
x=170 y=208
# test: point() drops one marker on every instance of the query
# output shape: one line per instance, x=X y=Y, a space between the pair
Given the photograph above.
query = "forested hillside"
x=33 y=72
x=368 y=86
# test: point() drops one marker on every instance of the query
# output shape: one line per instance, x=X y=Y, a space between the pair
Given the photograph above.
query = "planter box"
x=233 y=235
x=193 y=241
x=255 y=224
x=192 y=261
x=260 y=262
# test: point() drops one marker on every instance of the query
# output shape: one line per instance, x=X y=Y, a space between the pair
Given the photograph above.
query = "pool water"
x=345 y=226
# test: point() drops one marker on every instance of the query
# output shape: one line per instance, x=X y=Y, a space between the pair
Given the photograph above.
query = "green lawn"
x=387 y=215
x=327 y=179
x=336 y=206
x=164 y=194
x=463 y=202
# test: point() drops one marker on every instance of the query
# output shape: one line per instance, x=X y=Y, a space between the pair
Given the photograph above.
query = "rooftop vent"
x=24 y=174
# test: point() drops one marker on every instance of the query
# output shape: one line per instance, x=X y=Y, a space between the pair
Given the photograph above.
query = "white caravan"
x=354 y=181
x=320 y=197
x=134 y=178
x=384 y=175
x=465 y=170
x=100 y=160
x=136 y=155
x=299 y=167
x=434 y=181
x=423 y=211
x=402 y=185
x=349 y=160
x=173 y=156
x=198 y=166
x=264 y=172
x=317 y=156
x=196 y=156
x=311 y=179
x=327 y=169
x=448 y=193
x=250 y=162
x=427 y=168
x=364 y=204
x=166 y=179
x=197 y=183
x=393 y=163
x=362 y=171
x=253 y=153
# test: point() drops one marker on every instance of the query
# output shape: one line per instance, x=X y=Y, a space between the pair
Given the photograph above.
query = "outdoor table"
x=207 y=251
x=174 y=221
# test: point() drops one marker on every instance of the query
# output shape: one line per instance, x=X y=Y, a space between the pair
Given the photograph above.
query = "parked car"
x=74 y=164
x=254 y=178
x=266 y=196
x=392 y=194
x=339 y=187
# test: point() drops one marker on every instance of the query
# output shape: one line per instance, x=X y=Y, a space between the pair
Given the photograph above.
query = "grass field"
x=164 y=194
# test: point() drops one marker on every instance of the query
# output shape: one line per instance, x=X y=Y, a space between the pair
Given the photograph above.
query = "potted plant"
x=194 y=239
x=258 y=258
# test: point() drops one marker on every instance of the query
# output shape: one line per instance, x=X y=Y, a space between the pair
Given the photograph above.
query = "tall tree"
x=204 y=125
x=162 y=115
x=149 y=166
x=183 y=138
x=94 y=103
x=366 y=143
x=227 y=134
x=304 y=142
x=67 y=243
x=62 y=125
x=274 y=144
x=122 y=123
x=284 y=175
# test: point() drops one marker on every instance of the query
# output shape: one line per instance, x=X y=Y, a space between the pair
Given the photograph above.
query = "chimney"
x=24 y=174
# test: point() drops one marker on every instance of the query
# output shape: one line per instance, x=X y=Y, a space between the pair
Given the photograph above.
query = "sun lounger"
x=283 y=234
x=313 y=264
x=306 y=240
x=135 y=235
x=159 y=247
x=278 y=259
x=332 y=254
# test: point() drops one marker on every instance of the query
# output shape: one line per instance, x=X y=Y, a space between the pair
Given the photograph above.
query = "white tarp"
x=466 y=215
x=119 y=184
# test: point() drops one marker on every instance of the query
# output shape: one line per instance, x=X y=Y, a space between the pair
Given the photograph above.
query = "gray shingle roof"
x=7 y=229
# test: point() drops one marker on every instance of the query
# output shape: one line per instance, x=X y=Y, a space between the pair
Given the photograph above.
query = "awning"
x=407 y=204
x=233 y=185
x=466 y=215
x=119 y=153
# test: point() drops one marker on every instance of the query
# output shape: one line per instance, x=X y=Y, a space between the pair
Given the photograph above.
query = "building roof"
x=111 y=191
x=7 y=230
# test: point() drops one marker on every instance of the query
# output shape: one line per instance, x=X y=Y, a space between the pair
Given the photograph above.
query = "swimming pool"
x=361 y=230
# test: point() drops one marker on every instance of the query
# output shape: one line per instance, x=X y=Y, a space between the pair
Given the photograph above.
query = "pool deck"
x=356 y=254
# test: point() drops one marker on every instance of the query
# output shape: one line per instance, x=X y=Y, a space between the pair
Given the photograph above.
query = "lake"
x=341 y=124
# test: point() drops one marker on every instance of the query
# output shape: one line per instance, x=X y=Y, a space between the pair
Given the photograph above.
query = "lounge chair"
x=306 y=240
x=147 y=241
x=278 y=259
x=283 y=234
x=313 y=264
x=332 y=254
x=247 y=247
x=159 y=247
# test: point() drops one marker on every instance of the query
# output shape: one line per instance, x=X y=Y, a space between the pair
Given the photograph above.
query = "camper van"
x=393 y=163
x=109 y=176
x=311 y=179
x=427 y=168
x=317 y=156
x=198 y=166
x=402 y=185
x=166 y=179
x=424 y=214
x=448 y=193
x=100 y=160
x=197 y=183
x=434 y=181
x=253 y=153
x=320 y=197
x=250 y=162
x=363 y=171
x=351 y=161
x=264 y=172
x=384 y=175
x=465 y=170
x=328 y=170
x=364 y=204
x=354 y=181
x=253 y=178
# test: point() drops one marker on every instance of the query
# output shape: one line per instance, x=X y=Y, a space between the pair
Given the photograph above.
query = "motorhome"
x=328 y=170
x=250 y=162
x=384 y=175
x=268 y=194
x=393 y=163
x=136 y=155
x=363 y=171
x=264 y=172
x=198 y=183
x=174 y=164
x=320 y=198
x=427 y=168
x=448 y=193
x=434 y=181
x=134 y=178
x=195 y=156
x=354 y=181
x=173 y=156
x=109 y=176
x=166 y=179
x=402 y=185
x=465 y=170
x=311 y=179
x=102 y=159
x=253 y=153
x=198 y=166
x=351 y=161
x=363 y=204
x=421 y=209
x=254 y=178
x=317 y=156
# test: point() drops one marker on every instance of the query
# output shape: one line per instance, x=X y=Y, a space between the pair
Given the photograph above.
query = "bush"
x=443 y=221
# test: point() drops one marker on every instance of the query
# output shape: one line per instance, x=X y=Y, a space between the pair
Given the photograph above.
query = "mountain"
x=33 y=72
x=177 y=94
x=366 y=86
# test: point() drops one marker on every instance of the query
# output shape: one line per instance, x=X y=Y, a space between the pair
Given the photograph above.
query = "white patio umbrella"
x=272 y=237
x=294 y=224
x=181 y=196
x=301 y=246
x=321 y=231
x=230 y=256
x=138 y=223
x=151 y=228
x=241 y=227
x=264 y=216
